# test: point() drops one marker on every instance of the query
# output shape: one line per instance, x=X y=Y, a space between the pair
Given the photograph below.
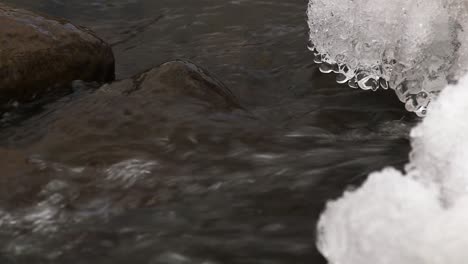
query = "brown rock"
x=175 y=95
x=182 y=78
x=38 y=53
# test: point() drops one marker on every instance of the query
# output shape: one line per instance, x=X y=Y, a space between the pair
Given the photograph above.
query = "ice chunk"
x=420 y=217
x=414 y=47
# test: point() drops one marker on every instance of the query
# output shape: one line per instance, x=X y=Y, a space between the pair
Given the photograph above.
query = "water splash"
x=128 y=172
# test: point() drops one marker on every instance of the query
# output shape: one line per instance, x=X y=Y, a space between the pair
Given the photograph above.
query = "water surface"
x=91 y=178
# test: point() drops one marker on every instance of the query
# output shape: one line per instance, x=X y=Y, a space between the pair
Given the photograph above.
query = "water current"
x=88 y=178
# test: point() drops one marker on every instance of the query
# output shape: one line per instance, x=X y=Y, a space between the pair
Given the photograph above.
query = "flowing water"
x=92 y=179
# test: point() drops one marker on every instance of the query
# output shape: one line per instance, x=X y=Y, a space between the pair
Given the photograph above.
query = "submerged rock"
x=174 y=84
x=176 y=94
x=38 y=53
x=185 y=78
x=171 y=108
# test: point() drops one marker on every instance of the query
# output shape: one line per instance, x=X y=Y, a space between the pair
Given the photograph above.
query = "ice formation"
x=414 y=47
x=417 y=217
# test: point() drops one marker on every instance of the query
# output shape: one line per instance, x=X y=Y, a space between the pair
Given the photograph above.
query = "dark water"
x=96 y=178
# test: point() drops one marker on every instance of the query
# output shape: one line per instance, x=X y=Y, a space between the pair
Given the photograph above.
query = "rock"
x=170 y=84
x=185 y=78
x=38 y=53
x=170 y=108
x=176 y=94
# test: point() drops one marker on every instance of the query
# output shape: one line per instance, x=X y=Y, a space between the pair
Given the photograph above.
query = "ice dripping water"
x=414 y=47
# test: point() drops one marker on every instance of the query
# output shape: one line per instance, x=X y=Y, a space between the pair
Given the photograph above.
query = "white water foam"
x=51 y=215
x=128 y=172
x=417 y=217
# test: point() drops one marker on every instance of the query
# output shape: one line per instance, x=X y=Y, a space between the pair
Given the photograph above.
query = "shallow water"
x=90 y=178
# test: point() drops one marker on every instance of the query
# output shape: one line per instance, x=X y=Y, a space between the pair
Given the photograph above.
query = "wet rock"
x=119 y=134
x=38 y=53
x=177 y=102
x=182 y=78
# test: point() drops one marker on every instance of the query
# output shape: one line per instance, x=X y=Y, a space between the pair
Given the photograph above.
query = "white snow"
x=416 y=217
